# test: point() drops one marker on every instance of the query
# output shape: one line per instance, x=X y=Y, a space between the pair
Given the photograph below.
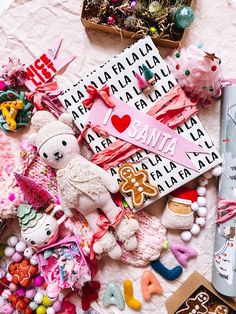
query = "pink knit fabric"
x=151 y=235
x=28 y=163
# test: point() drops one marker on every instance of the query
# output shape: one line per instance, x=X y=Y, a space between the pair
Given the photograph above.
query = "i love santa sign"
x=132 y=126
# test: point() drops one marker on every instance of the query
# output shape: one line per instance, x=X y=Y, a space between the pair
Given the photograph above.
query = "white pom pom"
x=6 y=293
x=1 y=301
x=186 y=236
x=9 y=251
x=194 y=206
x=217 y=171
x=50 y=310
x=66 y=119
x=34 y=260
x=201 y=221
x=202 y=211
x=38 y=298
x=29 y=252
x=201 y=191
x=12 y=241
x=201 y=201
x=195 y=229
x=208 y=175
x=20 y=247
x=202 y=181
x=9 y=277
x=33 y=305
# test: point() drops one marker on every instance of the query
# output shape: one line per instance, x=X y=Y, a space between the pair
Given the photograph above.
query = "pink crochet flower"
x=14 y=73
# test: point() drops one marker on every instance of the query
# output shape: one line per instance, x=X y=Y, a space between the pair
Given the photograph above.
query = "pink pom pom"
x=20 y=292
x=30 y=293
x=16 y=257
x=38 y=281
x=3 y=86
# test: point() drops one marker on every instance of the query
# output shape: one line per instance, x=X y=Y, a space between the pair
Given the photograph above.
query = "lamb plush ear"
x=66 y=119
x=32 y=139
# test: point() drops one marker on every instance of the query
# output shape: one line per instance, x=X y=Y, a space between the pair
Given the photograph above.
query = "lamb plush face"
x=59 y=150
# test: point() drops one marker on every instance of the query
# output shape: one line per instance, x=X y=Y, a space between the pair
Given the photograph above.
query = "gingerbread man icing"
x=218 y=309
x=196 y=305
x=135 y=182
x=22 y=272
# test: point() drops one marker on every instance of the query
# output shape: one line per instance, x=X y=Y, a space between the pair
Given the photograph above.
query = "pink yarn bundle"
x=197 y=72
x=29 y=164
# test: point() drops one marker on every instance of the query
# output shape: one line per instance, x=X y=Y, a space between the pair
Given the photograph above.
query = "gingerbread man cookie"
x=218 y=309
x=196 y=305
x=135 y=182
x=22 y=272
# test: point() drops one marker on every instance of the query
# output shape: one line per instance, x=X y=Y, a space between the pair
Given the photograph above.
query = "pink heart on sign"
x=183 y=253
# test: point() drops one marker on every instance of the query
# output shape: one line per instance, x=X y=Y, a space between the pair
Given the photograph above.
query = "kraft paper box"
x=128 y=34
x=118 y=74
x=197 y=293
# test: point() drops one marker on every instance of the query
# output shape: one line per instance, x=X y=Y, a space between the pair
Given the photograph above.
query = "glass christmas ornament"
x=184 y=17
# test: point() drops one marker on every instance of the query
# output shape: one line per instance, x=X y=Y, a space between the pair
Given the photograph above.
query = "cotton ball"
x=12 y=241
x=50 y=310
x=201 y=201
x=38 y=298
x=9 y=251
x=29 y=252
x=202 y=181
x=21 y=246
x=202 y=211
x=186 y=236
x=33 y=305
x=201 y=191
x=217 y=171
x=195 y=229
x=201 y=221
x=194 y=206
x=208 y=175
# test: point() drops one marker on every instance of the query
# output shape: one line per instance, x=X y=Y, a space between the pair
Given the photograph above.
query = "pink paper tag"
x=131 y=125
x=45 y=67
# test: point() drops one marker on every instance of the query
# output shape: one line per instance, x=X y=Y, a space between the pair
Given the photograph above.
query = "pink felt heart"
x=183 y=253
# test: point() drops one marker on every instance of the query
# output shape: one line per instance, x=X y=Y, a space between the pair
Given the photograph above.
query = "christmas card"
x=169 y=158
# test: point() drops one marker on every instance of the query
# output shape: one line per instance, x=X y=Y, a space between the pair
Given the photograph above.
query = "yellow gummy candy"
x=129 y=296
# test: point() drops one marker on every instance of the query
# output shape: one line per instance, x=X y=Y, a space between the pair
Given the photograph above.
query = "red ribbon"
x=46 y=94
x=104 y=93
x=104 y=225
x=226 y=210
